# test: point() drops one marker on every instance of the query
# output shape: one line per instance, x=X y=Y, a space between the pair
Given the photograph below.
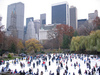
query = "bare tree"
x=86 y=29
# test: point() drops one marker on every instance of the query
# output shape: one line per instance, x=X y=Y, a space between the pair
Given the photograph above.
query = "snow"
x=54 y=66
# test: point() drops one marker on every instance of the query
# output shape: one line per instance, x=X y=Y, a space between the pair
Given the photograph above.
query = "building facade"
x=0 y=20
x=73 y=17
x=82 y=22
x=30 y=33
x=43 y=33
x=60 y=13
x=28 y=19
x=25 y=27
x=12 y=28
x=42 y=20
x=18 y=9
x=92 y=16
x=37 y=27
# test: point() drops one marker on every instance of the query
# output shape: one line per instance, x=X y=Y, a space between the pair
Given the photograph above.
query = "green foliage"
x=75 y=33
x=89 y=43
x=42 y=52
x=0 y=50
x=35 y=51
x=10 y=55
x=13 y=48
x=66 y=42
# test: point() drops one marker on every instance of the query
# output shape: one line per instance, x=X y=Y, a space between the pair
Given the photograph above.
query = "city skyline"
x=37 y=7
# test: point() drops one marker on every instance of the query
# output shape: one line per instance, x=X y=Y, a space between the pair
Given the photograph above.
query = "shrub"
x=42 y=52
x=10 y=55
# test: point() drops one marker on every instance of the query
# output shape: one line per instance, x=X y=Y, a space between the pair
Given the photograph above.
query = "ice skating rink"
x=54 y=65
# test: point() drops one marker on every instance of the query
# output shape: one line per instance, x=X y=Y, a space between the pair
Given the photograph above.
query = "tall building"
x=60 y=13
x=42 y=20
x=73 y=17
x=30 y=33
x=43 y=33
x=18 y=10
x=92 y=16
x=82 y=22
x=0 y=20
x=27 y=21
x=12 y=28
x=37 y=27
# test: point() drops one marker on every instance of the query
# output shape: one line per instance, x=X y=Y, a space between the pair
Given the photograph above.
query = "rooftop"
x=60 y=3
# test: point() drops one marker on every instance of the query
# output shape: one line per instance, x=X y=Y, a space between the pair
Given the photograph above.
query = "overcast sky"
x=33 y=8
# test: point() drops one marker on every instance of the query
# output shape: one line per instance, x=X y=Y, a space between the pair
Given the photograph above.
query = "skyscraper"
x=12 y=28
x=60 y=13
x=27 y=21
x=81 y=22
x=18 y=10
x=42 y=20
x=30 y=31
x=73 y=17
x=37 y=27
x=0 y=20
x=92 y=16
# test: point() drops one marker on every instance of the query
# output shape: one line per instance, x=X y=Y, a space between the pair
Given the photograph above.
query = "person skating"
x=49 y=63
x=15 y=71
x=69 y=73
x=50 y=72
x=94 y=70
x=84 y=61
x=7 y=65
x=73 y=73
x=21 y=65
x=85 y=72
x=89 y=66
x=45 y=68
x=66 y=67
x=74 y=66
x=79 y=71
x=58 y=70
x=33 y=65
x=98 y=70
x=23 y=72
x=61 y=65
x=58 y=73
x=30 y=71
x=66 y=72
x=37 y=63
x=96 y=65
x=9 y=70
x=2 y=69
x=37 y=72
x=89 y=73
x=41 y=72
x=79 y=65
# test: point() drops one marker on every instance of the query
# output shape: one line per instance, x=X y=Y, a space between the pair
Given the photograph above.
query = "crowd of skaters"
x=61 y=63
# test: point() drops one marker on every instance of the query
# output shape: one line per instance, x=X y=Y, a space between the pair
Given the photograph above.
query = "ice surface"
x=53 y=66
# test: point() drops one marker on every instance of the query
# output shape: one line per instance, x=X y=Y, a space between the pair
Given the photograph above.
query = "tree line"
x=60 y=37
x=15 y=45
x=89 y=38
